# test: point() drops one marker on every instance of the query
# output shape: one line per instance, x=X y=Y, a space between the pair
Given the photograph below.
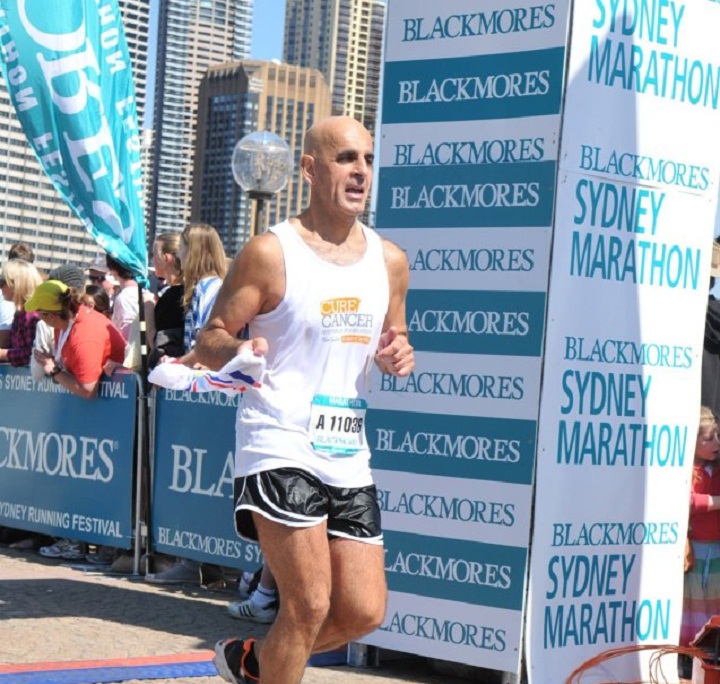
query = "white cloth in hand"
x=237 y=375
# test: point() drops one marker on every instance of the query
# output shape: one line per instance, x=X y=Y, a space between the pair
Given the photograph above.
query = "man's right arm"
x=255 y=284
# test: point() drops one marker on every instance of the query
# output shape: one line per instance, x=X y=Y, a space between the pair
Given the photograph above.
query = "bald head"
x=323 y=134
x=337 y=163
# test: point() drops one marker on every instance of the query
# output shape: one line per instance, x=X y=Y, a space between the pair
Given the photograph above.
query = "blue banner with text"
x=67 y=462
x=193 y=480
x=474 y=87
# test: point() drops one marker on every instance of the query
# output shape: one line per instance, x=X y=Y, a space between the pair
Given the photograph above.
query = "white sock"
x=263 y=597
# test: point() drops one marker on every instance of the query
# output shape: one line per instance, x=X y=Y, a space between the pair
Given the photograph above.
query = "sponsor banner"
x=621 y=378
x=456 y=631
x=619 y=354
x=470 y=510
x=482 y=574
x=494 y=259
x=69 y=77
x=466 y=186
x=453 y=446
x=461 y=322
x=503 y=195
x=461 y=384
x=475 y=87
x=67 y=462
x=619 y=164
x=626 y=237
x=502 y=141
x=193 y=480
x=451 y=29
x=595 y=598
x=644 y=61
x=614 y=417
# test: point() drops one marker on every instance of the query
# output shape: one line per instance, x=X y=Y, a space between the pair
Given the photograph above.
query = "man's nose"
x=361 y=167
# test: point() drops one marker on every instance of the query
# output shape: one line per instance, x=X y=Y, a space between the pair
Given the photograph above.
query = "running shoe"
x=231 y=659
x=178 y=573
x=103 y=555
x=247 y=610
x=65 y=549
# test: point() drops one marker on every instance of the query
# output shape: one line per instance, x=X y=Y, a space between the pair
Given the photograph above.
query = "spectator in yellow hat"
x=85 y=340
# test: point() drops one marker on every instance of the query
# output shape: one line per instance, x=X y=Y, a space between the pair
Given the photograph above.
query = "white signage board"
x=636 y=202
x=468 y=152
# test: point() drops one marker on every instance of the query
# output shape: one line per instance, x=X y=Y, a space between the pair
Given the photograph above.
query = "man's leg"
x=300 y=561
x=359 y=593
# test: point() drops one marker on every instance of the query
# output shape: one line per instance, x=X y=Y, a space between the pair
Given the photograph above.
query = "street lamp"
x=262 y=165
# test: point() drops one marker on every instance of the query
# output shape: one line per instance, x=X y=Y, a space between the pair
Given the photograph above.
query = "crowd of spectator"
x=73 y=325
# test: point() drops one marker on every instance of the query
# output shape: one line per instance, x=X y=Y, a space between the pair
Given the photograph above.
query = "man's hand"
x=258 y=346
x=395 y=354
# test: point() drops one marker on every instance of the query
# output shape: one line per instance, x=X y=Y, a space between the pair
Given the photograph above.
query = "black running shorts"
x=296 y=498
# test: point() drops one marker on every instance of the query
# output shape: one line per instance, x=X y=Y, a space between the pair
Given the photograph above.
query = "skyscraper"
x=343 y=40
x=192 y=36
x=239 y=98
x=31 y=210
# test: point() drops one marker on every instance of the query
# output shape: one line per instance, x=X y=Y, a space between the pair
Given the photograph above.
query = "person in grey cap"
x=72 y=276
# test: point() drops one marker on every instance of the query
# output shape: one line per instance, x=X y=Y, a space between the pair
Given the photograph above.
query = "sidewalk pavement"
x=50 y=611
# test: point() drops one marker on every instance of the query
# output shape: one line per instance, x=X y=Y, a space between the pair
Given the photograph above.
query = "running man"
x=323 y=297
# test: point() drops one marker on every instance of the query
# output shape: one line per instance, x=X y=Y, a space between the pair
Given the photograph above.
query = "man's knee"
x=360 y=618
x=365 y=623
x=308 y=608
x=372 y=617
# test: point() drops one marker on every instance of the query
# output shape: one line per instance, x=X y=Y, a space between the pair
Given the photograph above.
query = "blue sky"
x=268 y=26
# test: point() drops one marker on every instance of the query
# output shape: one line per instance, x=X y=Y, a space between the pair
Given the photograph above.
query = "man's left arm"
x=395 y=354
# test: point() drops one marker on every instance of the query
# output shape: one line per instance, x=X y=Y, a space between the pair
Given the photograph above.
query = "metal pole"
x=139 y=477
x=362 y=656
x=259 y=210
x=142 y=494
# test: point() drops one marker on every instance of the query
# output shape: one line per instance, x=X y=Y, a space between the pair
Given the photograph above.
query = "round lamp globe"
x=262 y=163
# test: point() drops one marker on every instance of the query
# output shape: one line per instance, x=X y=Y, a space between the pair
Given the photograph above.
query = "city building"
x=343 y=40
x=31 y=210
x=192 y=36
x=236 y=99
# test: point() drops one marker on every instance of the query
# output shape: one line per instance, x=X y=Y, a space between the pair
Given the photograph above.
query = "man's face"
x=99 y=278
x=342 y=169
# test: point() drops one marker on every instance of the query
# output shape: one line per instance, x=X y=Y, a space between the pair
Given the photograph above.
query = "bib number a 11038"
x=337 y=424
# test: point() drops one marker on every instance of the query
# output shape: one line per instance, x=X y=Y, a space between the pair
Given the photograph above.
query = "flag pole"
x=143 y=491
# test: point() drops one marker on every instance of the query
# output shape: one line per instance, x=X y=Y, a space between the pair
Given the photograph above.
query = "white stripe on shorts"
x=308 y=519
x=375 y=541
x=282 y=521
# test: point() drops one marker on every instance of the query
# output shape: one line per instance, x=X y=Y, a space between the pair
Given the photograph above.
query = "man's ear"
x=307 y=167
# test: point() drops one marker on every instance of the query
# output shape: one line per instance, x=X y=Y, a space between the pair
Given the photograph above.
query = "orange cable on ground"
x=656 y=675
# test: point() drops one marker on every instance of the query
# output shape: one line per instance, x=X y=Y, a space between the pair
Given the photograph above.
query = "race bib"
x=336 y=424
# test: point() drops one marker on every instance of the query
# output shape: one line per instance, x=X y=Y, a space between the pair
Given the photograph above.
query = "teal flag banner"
x=68 y=73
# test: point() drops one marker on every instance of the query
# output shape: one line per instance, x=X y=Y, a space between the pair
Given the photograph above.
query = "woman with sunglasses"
x=85 y=340
x=19 y=280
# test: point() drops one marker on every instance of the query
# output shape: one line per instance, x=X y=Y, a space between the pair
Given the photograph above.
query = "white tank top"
x=322 y=337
